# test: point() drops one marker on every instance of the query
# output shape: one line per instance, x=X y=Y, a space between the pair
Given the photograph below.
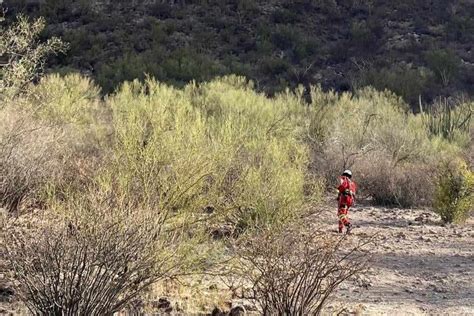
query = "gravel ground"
x=419 y=265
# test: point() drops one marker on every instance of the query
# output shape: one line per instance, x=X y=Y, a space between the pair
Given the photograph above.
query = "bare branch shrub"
x=391 y=151
x=31 y=155
x=92 y=256
x=404 y=185
x=31 y=151
x=296 y=272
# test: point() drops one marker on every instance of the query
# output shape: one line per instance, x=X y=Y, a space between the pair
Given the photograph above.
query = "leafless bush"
x=405 y=185
x=91 y=259
x=296 y=272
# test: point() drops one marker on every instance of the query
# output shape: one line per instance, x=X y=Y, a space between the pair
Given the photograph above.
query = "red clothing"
x=347 y=190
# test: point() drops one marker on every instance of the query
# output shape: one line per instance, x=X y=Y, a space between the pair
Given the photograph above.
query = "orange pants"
x=343 y=215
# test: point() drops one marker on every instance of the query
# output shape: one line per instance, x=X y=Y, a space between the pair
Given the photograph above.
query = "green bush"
x=65 y=100
x=406 y=82
x=445 y=64
x=451 y=122
x=234 y=150
x=389 y=149
x=24 y=55
x=454 y=192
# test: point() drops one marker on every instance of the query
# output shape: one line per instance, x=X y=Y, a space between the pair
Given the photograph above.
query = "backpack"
x=347 y=186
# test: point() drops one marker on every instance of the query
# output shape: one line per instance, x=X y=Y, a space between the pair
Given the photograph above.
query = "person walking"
x=346 y=198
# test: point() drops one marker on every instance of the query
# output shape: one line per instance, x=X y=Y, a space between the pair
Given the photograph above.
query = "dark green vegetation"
x=411 y=47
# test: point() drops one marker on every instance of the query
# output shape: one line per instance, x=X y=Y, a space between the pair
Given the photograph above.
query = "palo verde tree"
x=22 y=54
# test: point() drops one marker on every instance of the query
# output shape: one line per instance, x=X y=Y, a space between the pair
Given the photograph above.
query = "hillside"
x=412 y=47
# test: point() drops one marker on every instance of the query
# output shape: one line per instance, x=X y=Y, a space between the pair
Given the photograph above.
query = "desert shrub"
x=460 y=28
x=365 y=34
x=180 y=162
x=72 y=99
x=232 y=148
x=32 y=151
x=275 y=66
x=31 y=156
x=445 y=64
x=404 y=81
x=389 y=149
x=452 y=122
x=92 y=255
x=52 y=137
x=284 y=16
x=404 y=185
x=285 y=37
x=24 y=54
x=296 y=272
x=454 y=192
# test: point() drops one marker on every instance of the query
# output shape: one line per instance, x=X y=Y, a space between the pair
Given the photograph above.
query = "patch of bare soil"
x=419 y=265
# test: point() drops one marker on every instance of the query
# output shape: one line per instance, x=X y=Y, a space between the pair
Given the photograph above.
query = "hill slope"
x=412 y=47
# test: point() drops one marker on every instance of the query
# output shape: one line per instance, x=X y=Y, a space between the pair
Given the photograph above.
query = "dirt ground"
x=419 y=266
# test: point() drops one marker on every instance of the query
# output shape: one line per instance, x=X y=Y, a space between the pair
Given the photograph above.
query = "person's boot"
x=348 y=228
x=340 y=230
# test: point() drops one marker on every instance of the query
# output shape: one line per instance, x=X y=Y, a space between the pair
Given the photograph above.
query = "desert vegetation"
x=411 y=47
x=105 y=196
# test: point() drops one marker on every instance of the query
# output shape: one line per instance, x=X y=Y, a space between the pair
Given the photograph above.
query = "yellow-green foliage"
x=371 y=123
x=454 y=192
x=219 y=147
x=69 y=99
x=377 y=121
x=389 y=148
x=453 y=123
